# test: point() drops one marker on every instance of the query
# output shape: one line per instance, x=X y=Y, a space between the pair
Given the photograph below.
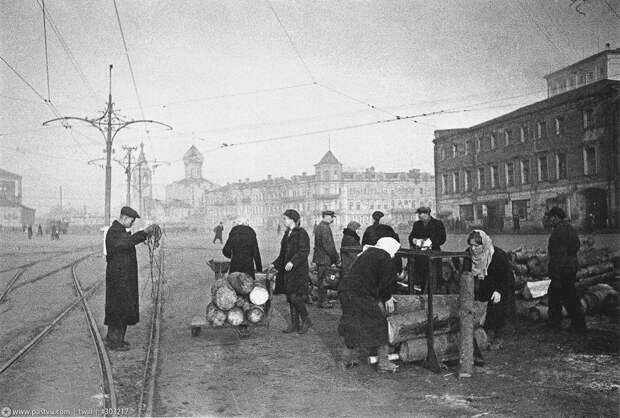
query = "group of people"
x=368 y=277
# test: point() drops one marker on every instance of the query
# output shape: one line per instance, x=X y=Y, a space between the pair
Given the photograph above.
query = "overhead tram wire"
x=614 y=11
x=133 y=77
x=47 y=67
x=525 y=9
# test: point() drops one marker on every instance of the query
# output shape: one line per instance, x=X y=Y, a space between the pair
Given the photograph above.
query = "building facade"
x=352 y=195
x=562 y=151
x=12 y=213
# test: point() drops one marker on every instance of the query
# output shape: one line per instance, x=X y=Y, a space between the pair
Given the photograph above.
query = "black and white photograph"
x=295 y=208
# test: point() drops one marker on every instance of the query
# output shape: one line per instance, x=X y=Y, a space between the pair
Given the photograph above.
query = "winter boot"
x=123 y=331
x=384 y=364
x=294 y=325
x=305 y=325
x=114 y=340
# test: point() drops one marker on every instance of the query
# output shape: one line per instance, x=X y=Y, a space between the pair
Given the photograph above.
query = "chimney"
x=268 y=176
x=608 y=45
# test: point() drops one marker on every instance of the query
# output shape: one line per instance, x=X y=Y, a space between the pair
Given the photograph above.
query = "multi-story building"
x=12 y=213
x=352 y=195
x=562 y=151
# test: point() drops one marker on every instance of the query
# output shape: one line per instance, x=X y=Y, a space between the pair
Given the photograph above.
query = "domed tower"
x=193 y=160
x=142 y=179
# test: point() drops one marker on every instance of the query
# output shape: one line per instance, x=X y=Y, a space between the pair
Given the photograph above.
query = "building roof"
x=592 y=89
x=191 y=180
x=590 y=58
x=192 y=152
x=328 y=158
x=5 y=173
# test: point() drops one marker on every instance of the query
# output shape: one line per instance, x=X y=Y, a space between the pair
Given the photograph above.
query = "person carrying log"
x=293 y=271
x=427 y=233
x=242 y=249
x=325 y=254
x=563 y=265
x=494 y=282
x=349 y=239
x=365 y=295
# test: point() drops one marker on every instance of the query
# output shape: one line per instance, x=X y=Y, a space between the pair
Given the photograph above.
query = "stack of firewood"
x=331 y=284
x=238 y=299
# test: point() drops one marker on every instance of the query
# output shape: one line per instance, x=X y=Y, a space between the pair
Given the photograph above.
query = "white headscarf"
x=387 y=244
x=242 y=221
x=480 y=262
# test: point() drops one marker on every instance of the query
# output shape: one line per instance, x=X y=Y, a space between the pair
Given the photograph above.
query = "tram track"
x=54 y=254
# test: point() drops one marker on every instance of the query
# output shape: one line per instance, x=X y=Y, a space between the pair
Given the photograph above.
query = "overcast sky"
x=226 y=72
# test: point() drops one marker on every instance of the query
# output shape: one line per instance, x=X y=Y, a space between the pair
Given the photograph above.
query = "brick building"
x=562 y=151
x=352 y=195
x=12 y=213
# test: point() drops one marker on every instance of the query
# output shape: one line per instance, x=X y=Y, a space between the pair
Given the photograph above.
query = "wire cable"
x=333 y=90
x=614 y=11
x=541 y=29
x=23 y=79
x=47 y=67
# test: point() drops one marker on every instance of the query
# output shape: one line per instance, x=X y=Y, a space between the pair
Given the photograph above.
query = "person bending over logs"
x=242 y=249
x=365 y=295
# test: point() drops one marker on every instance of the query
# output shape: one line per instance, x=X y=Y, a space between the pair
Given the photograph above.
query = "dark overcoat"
x=349 y=239
x=121 y=276
x=563 y=248
x=377 y=231
x=436 y=232
x=325 y=252
x=294 y=247
x=242 y=249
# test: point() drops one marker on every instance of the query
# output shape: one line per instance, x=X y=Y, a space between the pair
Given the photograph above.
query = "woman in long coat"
x=365 y=294
x=494 y=282
x=293 y=271
x=349 y=239
x=242 y=249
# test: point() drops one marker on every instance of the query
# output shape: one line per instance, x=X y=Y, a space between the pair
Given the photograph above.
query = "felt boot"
x=294 y=325
x=305 y=325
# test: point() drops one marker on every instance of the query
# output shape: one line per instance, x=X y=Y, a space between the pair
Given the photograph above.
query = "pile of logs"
x=238 y=299
x=331 y=284
x=598 y=270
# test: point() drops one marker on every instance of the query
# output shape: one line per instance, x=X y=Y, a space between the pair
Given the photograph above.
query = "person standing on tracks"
x=325 y=254
x=427 y=233
x=293 y=271
x=219 y=229
x=121 y=298
x=242 y=249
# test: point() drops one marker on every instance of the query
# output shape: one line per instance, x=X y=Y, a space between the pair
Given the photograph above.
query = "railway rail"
x=53 y=255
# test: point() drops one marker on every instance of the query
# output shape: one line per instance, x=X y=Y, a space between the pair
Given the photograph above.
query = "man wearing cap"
x=121 y=297
x=563 y=265
x=427 y=233
x=325 y=253
x=369 y=234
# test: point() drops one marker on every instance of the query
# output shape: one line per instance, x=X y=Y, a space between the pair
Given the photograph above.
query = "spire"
x=141 y=157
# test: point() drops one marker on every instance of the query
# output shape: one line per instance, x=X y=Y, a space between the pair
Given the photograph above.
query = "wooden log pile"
x=238 y=299
x=331 y=284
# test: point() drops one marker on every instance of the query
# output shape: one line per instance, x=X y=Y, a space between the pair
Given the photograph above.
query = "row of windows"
x=484 y=178
x=359 y=205
x=576 y=79
x=509 y=137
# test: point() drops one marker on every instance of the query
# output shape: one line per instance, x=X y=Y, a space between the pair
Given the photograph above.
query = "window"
x=455 y=182
x=541 y=129
x=468 y=181
x=543 y=172
x=507 y=137
x=494 y=176
x=455 y=150
x=358 y=205
x=524 y=133
x=466 y=212
x=559 y=125
x=481 y=180
x=467 y=147
x=560 y=165
x=478 y=144
x=444 y=183
x=493 y=141
x=510 y=174
x=443 y=153
x=521 y=208
x=525 y=171
x=588 y=119
x=589 y=161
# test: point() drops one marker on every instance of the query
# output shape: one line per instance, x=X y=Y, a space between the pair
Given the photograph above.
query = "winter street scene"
x=309 y=209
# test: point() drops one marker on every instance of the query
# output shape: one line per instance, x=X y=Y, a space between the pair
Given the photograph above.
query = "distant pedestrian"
x=122 y=307
x=427 y=233
x=242 y=249
x=40 y=231
x=325 y=254
x=516 y=223
x=563 y=265
x=29 y=231
x=350 y=238
x=53 y=232
x=293 y=271
x=218 y=233
x=279 y=228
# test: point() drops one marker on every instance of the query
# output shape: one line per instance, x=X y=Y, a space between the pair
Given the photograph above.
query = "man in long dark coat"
x=242 y=249
x=563 y=265
x=121 y=297
x=218 y=233
x=427 y=228
x=325 y=254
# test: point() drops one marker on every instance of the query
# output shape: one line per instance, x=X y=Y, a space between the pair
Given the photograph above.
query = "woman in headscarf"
x=365 y=294
x=293 y=271
x=494 y=281
x=349 y=239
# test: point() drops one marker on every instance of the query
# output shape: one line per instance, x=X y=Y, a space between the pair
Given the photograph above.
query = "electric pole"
x=109 y=124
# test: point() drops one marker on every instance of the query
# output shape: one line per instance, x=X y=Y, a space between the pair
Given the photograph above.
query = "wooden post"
x=431 y=357
x=466 y=317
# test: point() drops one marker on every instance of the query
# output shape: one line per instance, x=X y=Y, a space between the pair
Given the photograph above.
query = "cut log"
x=534 y=290
x=520 y=281
x=414 y=303
x=594 y=256
x=466 y=324
x=538 y=266
x=225 y=298
x=235 y=317
x=259 y=295
x=447 y=271
x=595 y=270
x=446 y=348
x=412 y=324
x=260 y=279
x=219 y=318
x=217 y=284
x=255 y=314
x=601 y=298
x=520 y=269
x=211 y=309
x=540 y=313
x=242 y=283
x=593 y=280
x=332 y=294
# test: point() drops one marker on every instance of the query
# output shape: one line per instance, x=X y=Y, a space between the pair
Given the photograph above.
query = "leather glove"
x=390 y=305
x=496 y=297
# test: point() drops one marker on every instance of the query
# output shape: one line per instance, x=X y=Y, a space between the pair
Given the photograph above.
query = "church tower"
x=142 y=179
x=193 y=160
